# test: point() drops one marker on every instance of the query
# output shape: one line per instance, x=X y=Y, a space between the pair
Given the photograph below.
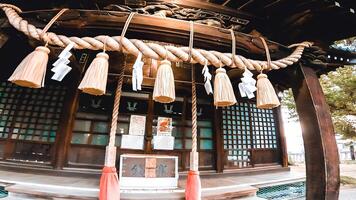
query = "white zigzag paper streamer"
x=137 y=73
x=207 y=79
x=60 y=67
x=247 y=86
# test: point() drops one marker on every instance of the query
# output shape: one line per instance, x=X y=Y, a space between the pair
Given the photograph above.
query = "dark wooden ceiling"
x=292 y=20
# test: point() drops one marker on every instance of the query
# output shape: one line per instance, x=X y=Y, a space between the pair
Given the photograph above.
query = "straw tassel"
x=32 y=70
x=164 y=91
x=266 y=95
x=94 y=81
x=223 y=92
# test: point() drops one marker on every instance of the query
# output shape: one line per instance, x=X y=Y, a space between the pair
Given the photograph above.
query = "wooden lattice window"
x=237 y=134
x=93 y=118
x=245 y=128
x=30 y=114
x=264 y=128
x=182 y=125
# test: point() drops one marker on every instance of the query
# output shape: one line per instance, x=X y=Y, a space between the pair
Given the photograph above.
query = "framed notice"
x=137 y=125
x=164 y=126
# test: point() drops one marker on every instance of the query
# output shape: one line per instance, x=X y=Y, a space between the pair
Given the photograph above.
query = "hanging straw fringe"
x=31 y=72
x=164 y=89
x=223 y=92
x=266 y=95
x=95 y=78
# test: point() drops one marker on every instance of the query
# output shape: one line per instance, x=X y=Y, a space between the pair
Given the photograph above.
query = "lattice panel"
x=93 y=118
x=264 y=128
x=30 y=114
x=9 y=97
x=246 y=128
x=237 y=136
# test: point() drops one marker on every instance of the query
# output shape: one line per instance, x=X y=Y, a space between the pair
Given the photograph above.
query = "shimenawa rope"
x=151 y=50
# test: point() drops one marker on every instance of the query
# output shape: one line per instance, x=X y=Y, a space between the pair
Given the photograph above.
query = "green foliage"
x=339 y=88
x=347 y=180
x=288 y=101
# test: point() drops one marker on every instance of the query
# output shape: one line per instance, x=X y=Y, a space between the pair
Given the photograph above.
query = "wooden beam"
x=146 y=27
x=196 y=4
x=210 y=6
x=321 y=153
x=149 y=124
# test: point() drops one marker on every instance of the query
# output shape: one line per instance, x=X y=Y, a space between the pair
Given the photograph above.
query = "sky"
x=293 y=133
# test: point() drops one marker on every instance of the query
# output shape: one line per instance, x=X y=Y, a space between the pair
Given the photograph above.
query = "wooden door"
x=250 y=136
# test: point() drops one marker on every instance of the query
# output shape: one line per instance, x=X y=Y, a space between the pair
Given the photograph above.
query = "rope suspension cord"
x=50 y=23
x=120 y=81
x=191 y=40
x=149 y=49
x=45 y=29
x=123 y=33
x=267 y=54
x=233 y=52
x=194 y=98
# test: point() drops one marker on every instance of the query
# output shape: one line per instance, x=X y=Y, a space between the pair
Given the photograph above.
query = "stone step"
x=18 y=191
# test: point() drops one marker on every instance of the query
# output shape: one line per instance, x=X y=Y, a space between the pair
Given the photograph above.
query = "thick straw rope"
x=151 y=50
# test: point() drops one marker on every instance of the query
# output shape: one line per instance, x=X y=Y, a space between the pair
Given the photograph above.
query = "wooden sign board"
x=148 y=171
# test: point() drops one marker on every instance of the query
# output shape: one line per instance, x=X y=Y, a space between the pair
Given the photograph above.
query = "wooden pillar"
x=219 y=141
x=66 y=123
x=321 y=154
x=64 y=135
x=282 y=137
x=149 y=123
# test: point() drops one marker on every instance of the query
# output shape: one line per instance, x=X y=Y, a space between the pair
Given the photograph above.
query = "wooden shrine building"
x=61 y=129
